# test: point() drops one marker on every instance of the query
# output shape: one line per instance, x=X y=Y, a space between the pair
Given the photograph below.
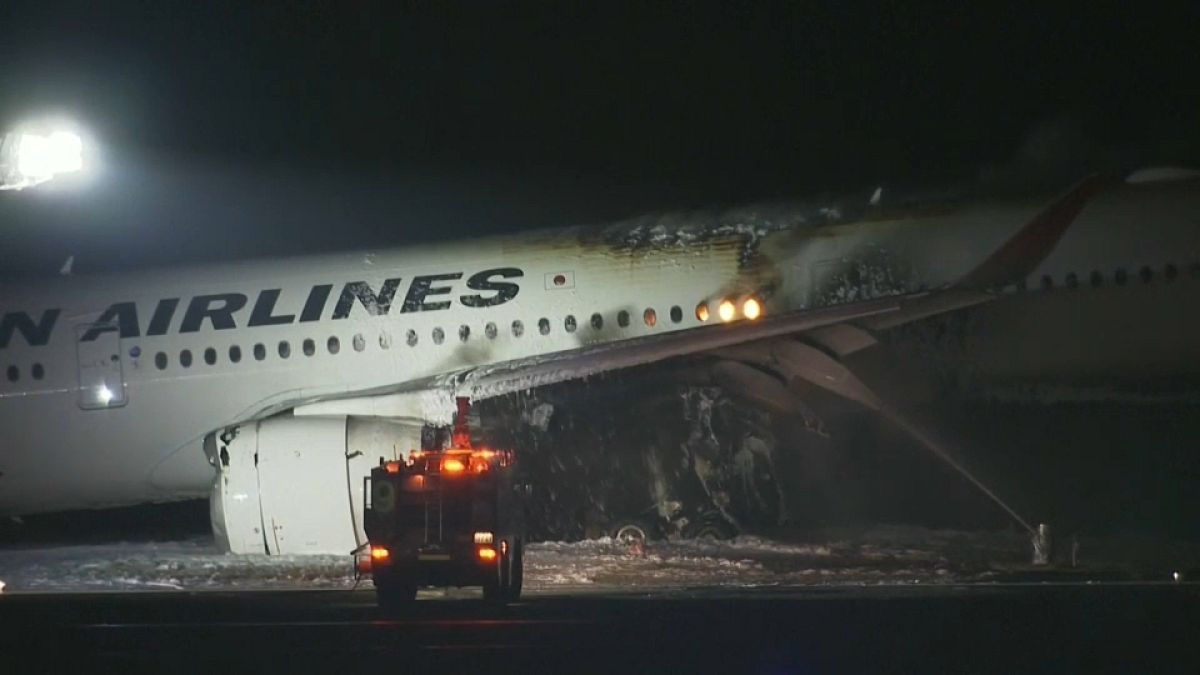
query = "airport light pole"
x=28 y=159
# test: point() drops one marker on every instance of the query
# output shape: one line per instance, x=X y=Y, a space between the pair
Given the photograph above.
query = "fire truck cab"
x=445 y=517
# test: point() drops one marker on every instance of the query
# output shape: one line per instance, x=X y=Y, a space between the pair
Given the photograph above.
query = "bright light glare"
x=43 y=157
x=751 y=309
x=487 y=553
x=702 y=311
x=105 y=394
x=726 y=310
x=452 y=465
x=380 y=553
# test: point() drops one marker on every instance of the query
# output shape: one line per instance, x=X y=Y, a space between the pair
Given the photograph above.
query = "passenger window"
x=544 y=326
x=285 y=349
x=1170 y=272
x=569 y=323
x=1072 y=280
x=1120 y=277
x=185 y=358
x=650 y=317
x=210 y=356
x=309 y=347
x=1097 y=279
x=235 y=353
x=358 y=342
x=385 y=340
x=623 y=319
x=1147 y=275
x=160 y=361
x=464 y=333
x=597 y=321
x=333 y=344
x=410 y=336
x=260 y=352
x=13 y=374
x=438 y=335
x=1047 y=282
x=518 y=328
x=490 y=330
x=676 y=314
x=38 y=372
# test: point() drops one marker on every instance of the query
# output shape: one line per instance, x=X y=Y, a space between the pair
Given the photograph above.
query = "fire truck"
x=446 y=516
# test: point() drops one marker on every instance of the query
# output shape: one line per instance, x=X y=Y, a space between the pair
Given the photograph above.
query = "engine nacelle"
x=293 y=485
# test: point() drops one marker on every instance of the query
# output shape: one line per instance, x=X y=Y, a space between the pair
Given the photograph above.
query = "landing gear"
x=505 y=585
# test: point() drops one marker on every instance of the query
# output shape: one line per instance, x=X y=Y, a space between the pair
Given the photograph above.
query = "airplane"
x=273 y=386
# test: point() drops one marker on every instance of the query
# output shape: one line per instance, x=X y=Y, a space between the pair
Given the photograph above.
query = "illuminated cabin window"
x=1072 y=280
x=490 y=330
x=160 y=361
x=185 y=358
x=650 y=317
x=385 y=340
x=439 y=335
x=358 y=342
x=676 y=314
x=1147 y=275
x=1120 y=277
x=285 y=349
x=37 y=371
x=464 y=333
x=333 y=345
x=1170 y=272
x=518 y=328
x=14 y=374
x=623 y=319
x=1097 y=279
x=544 y=326
x=235 y=354
x=309 y=347
x=410 y=337
x=569 y=323
x=210 y=356
x=702 y=311
x=597 y=321
x=260 y=351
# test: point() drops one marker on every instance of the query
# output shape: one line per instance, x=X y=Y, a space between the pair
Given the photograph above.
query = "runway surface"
x=1035 y=627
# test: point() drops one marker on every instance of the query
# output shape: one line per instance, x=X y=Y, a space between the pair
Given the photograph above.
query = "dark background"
x=224 y=130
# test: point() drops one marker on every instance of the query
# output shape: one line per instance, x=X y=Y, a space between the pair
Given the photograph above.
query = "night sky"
x=229 y=131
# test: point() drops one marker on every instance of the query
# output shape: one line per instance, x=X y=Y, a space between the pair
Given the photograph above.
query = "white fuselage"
x=305 y=333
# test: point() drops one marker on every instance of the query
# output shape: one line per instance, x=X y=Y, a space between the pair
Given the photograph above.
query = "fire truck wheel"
x=505 y=584
x=516 y=574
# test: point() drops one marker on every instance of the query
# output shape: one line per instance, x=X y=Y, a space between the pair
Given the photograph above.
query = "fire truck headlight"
x=487 y=553
x=380 y=553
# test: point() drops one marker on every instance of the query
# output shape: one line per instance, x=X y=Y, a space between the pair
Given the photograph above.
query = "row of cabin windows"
x=438 y=335
x=1120 y=276
x=36 y=371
